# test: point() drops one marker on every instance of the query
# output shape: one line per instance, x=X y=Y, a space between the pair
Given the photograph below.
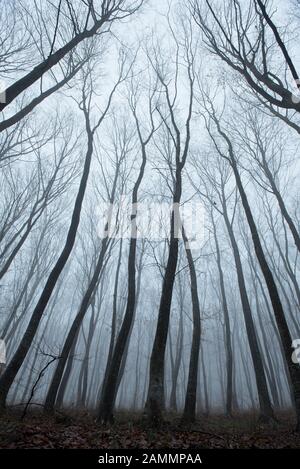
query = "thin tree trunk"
x=294 y=369
x=178 y=357
x=86 y=301
x=229 y=354
x=16 y=362
x=266 y=411
x=189 y=412
x=109 y=392
x=205 y=387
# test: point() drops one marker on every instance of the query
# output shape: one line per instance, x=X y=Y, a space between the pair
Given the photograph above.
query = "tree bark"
x=266 y=411
x=109 y=391
x=189 y=412
x=86 y=301
x=16 y=362
x=294 y=369
x=229 y=354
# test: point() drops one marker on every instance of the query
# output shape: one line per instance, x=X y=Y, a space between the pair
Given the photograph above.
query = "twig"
x=41 y=374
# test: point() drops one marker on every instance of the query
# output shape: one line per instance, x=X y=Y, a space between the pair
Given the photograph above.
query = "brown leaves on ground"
x=38 y=431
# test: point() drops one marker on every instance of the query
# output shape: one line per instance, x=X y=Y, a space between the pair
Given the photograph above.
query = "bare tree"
x=180 y=142
x=190 y=399
x=229 y=352
x=239 y=34
x=218 y=177
x=15 y=364
x=88 y=296
x=108 y=395
x=24 y=208
x=84 y=20
x=228 y=154
x=263 y=141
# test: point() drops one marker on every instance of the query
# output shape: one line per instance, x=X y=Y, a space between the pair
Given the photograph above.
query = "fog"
x=149 y=229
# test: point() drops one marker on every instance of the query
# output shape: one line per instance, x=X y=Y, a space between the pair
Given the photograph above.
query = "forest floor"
x=131 y=431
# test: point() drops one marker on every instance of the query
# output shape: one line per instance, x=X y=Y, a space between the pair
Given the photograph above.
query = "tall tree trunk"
x=266 y=411
x=109 y=391
x=125 y=354
x=294 y=368
x=84 y=371
x=86 y=301
x=114 y=318
x=16 y=362
x=189 y=412
x=266 y=350
x=178 y=357
x=245 y=365
x=66 y=376
x=229 y=354
x=155 y=402
x=281 y=203
x=205 y=384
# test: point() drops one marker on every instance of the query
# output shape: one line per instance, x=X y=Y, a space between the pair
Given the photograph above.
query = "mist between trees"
x=187 y=104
